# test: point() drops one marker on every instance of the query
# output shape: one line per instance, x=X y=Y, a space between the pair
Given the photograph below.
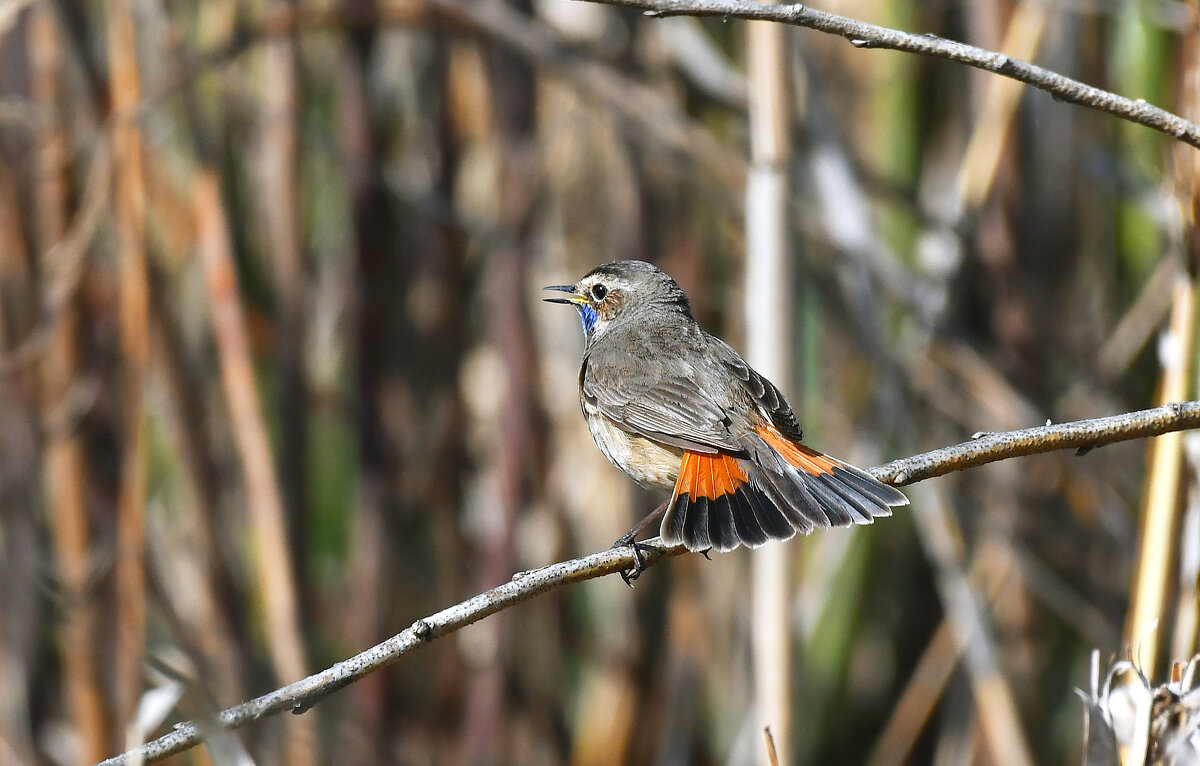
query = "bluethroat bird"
x=677 y=408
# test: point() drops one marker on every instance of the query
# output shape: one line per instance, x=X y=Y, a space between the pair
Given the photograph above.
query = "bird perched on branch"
x=677 y=408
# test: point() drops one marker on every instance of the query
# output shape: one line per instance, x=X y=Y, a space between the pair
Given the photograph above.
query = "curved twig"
x=864 y=35
x=303 y=694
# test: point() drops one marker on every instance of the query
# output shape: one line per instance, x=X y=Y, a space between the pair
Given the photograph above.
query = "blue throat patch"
x=589 y=317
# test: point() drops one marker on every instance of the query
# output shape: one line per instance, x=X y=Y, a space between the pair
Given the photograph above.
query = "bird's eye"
x=599 y=291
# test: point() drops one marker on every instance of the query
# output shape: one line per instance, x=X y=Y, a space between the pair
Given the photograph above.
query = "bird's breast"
x=647 y=462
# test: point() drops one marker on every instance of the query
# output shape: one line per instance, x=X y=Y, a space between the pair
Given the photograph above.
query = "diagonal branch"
x=864 y=35
x=987 y=448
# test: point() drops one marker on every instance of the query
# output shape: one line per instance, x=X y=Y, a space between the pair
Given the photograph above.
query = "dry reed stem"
x=768 y=330
x=925 y=686
x=1157 y=543
x=64 y=475
x=64 y=467
x=997 y=716
x=1139 y=323
x=280 y=149
x=281 y=204
x=298 y=697
x=989 y=138
x=917 y=701
x=1185 y=641
x=277 y=590
x=129 y=226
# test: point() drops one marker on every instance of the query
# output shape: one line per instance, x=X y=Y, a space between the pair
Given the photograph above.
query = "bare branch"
x=1080 y=435
x=864 y=35
x=301 y=695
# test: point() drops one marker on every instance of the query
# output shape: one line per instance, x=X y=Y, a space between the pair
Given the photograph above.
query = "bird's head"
x=615 y=291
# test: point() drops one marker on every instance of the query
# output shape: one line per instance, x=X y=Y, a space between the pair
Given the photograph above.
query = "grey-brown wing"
x=762 y=391
x=665 y=400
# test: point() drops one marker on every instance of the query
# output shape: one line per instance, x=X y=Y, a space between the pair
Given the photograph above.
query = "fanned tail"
x=723 y=500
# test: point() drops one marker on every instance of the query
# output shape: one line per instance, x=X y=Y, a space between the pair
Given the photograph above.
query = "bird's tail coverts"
x=722 y=500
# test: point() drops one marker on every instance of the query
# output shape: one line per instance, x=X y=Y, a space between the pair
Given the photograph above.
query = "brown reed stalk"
x=942 y=538
x=280 y=198
x=129 y=226
x=1157 y=543
x=1185 y=641
x=273 y=567
x=989 y=137
x=64 y=467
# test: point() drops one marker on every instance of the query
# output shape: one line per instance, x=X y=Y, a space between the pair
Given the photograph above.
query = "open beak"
x=571 y=299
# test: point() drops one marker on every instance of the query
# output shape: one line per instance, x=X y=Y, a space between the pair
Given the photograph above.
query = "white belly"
x=647 y=462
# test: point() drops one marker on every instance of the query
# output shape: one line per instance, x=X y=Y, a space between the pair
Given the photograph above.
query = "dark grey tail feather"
x=722 y=527
x=808 y=501
x=843 y=497
x=862 y=509
x=686 y=521
x=790 y=500
x=747 y=517
x=771 y=516
x=701 y=523
x=884 y=495
x=671 y=527
x=749 y=527
x=836 y=510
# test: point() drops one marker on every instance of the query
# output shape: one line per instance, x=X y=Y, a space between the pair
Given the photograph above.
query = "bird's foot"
x=630 y=539
x=639 y=562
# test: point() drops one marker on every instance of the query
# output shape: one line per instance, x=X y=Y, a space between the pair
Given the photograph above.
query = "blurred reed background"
x=277 y=380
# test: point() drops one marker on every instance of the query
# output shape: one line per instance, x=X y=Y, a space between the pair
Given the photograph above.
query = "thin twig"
x=772 y=756
x=864 y=35
x=301 y=695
